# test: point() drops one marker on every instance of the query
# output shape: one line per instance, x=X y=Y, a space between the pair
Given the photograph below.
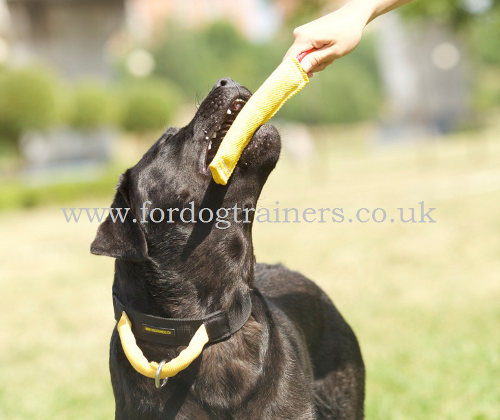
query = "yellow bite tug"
x=288 y=79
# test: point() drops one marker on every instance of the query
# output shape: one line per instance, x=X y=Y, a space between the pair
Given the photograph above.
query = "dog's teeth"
x=228 y=112
x=206 y=137
x=210 y=145
x=214 y=135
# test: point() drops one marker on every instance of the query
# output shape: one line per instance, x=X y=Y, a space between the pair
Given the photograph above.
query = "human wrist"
x=365 y=9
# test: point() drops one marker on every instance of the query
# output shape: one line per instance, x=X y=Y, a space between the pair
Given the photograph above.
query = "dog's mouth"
x=219 y=131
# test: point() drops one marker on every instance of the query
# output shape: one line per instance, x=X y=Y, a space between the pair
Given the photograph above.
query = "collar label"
x=157 y=330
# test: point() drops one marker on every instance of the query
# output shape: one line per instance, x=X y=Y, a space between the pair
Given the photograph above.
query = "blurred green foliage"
x=189 y=61
x=15 y=194
x=348 y=93
x=28 y=100
x=305 y=12
x=92 y=105
x=148 y=104
x=34 y=98
x=484 y=38
x=457 y=13
x=487 y=92
x=195 y=60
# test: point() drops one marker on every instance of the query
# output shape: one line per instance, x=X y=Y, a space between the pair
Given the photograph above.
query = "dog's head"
x=173 y=175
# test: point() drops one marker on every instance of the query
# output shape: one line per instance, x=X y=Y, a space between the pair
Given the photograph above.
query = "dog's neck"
x=171 y=285
x=212 y=276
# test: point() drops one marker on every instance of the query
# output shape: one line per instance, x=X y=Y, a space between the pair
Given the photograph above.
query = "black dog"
x=293 y=357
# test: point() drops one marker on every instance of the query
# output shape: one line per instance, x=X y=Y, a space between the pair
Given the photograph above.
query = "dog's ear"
x=121 y=239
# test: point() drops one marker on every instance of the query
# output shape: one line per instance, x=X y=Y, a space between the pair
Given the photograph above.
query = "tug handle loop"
x=301 y=56
x=144 y=366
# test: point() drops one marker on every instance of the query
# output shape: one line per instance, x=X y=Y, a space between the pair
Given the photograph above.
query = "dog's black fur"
x=295 y=358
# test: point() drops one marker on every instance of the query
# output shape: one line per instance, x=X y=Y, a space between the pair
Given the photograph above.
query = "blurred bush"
x=487 y=90
x=28 y=100
x=483 y=42
x=457 y=13
x=484 y=38
x=194 y=60
x=348 y=92
x=35 y=99
x=344 y=95
x=148 y=104
x=92 y=105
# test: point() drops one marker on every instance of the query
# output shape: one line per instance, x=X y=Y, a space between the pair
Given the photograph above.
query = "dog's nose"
x=226 y=82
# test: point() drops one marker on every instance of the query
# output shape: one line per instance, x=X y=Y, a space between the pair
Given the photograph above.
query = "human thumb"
x=314 y=59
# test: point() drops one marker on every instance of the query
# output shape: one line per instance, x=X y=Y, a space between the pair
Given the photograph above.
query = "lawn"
x=423 y=298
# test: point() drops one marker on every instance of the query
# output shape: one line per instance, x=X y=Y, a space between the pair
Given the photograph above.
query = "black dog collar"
x=220 y=325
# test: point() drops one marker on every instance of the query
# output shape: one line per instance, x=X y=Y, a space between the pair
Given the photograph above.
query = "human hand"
x=333 y=35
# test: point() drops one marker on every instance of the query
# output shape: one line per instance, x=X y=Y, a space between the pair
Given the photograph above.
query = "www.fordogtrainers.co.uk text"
x=224 y=217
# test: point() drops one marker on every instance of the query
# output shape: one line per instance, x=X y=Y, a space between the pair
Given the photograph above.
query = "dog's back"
x=333 y=349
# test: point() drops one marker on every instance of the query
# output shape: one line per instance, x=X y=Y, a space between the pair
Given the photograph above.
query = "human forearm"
x=379 y=7
x=338 y=33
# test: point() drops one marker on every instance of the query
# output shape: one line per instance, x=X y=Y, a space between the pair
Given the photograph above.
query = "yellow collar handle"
x=144 y=366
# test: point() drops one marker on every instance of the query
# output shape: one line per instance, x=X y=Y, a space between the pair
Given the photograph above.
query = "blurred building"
x=71 y=35
x=256 y=19
x=4 y=31
x=424 y=71
x=4 y=18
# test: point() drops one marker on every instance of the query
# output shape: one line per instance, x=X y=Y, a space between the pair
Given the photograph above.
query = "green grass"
x=423 y=299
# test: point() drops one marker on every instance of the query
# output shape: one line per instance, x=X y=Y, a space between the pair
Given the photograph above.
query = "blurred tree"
x=452 y=12
x=92 y=106
x=28 y=100
x=149 y=104
x=223 y=39
x=301 y=12
x=194 y=60
x=485 y=35
x=456 y=13
x=348 y=92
